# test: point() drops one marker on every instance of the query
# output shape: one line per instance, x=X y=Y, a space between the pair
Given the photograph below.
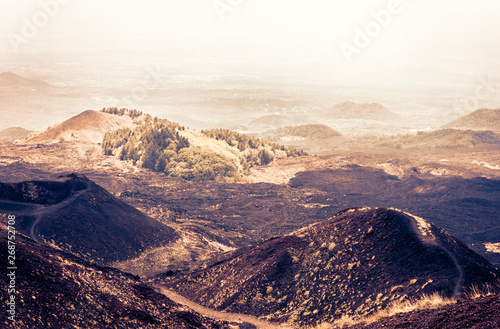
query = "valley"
x=232 y=164
x=268 y=233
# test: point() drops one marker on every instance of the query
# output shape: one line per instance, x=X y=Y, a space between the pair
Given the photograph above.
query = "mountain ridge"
x=57 y=289
x=482 y=119
x=356 y=262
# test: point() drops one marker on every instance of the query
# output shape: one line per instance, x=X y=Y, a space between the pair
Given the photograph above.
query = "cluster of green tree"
x=123 y=111
x=196 y=163
x=160 y=145
x=266 y=151
x=148 y=145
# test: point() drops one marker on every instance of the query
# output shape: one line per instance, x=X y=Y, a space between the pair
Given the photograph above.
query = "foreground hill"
x=89 y=126
x=314 y=132
x=10 y=135
x=55 y=289
x=484 y=119
x=357 y=262
x=77 y=215
x=368 y=111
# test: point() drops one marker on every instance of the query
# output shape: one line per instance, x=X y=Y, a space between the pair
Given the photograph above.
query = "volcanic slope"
x=483 y=119
x=55 y=289
x=481 y=312
x=88 y=126
x=355 y=263
x=77 y=215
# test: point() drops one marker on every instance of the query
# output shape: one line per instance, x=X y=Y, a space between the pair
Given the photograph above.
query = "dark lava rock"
x=355 y=263
x=54 y=289
x=480 y=313
x=77 y=215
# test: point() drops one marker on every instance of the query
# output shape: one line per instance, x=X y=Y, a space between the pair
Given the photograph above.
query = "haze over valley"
x=250 y=164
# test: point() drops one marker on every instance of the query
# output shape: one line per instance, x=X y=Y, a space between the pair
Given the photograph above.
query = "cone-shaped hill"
x=78 y=215
x=55 y=289
x=88 y=126
x=355 y=263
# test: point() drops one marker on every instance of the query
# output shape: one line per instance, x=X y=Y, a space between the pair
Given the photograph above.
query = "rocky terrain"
x=172 y=230
x=233 y=213
x=78 y=216
x=55 y=289
x=357 y=262
x=482 y=312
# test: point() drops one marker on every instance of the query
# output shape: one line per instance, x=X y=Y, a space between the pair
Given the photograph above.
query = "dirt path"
x=224 y=316
x=43 y=210
x=423 y=230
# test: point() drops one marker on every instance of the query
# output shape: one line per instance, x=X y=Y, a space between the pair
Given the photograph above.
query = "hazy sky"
x=407 y=38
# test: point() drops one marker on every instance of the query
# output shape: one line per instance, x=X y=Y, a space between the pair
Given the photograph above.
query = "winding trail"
x=43 y=210
x=217 y=315
x=424 y=232
x=39 y=211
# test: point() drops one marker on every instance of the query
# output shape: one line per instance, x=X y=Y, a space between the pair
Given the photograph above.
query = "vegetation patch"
x=167 y=147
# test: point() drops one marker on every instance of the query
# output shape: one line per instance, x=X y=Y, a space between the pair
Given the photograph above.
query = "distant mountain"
x=10 y=135
x=89 y=126
x=442 y=138
x=357 y=262
x=314 y=132
x=484 y=119
x=55 y=289
x=77 y=215
x=270 y=121
x=9 y=80
x=368 y=111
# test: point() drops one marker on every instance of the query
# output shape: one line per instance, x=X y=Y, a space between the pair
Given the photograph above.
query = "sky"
x=357 y=42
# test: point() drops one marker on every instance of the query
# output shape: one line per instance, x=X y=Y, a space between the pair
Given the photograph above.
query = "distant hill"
x=313 y=132
x=270 y=121
x=368 y=111
x=484 y=119
x=55 y=289
x=10 y=135
x=357 y=262
x=442 y=138
x=89 y=126
x=77 y=215
x=9 y=80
